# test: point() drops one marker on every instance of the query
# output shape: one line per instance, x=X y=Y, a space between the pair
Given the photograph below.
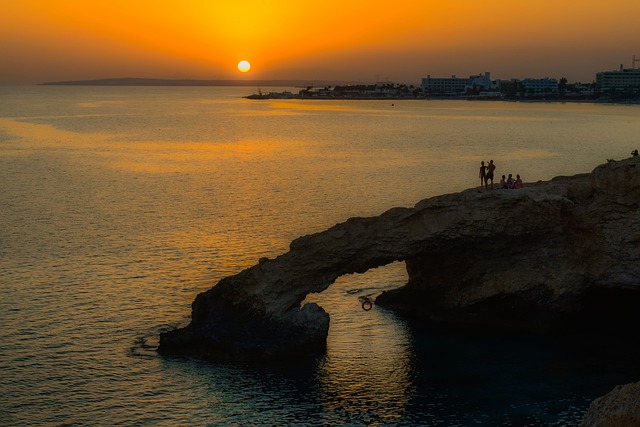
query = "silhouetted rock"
x=558 y=254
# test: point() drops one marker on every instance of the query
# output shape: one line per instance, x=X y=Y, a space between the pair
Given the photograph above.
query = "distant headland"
x=135 y=81
x=622 y=85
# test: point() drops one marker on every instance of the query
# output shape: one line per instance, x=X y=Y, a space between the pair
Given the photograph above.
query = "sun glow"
x=48 y=40
x=244 y=66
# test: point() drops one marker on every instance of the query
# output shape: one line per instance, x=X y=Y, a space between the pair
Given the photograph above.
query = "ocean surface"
x=118 y=205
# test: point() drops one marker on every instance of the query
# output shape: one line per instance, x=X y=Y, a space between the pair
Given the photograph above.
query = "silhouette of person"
x=503 y=182
x=518 y=183
x=634 y=152
x=483 y=174
x=489 y=176
x=510 y=181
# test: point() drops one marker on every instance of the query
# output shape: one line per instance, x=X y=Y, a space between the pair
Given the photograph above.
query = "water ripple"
x=114 y=221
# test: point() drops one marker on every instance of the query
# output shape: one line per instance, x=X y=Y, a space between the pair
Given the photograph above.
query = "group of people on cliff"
x=511 y=183
x=486 y=176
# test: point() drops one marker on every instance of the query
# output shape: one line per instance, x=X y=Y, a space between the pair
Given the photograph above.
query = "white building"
x=444 y=85
x=481 y=82
x=545 y=86
x=625 y=79
x=456 y=86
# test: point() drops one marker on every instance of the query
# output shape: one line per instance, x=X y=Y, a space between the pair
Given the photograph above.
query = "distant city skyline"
x=404 y=41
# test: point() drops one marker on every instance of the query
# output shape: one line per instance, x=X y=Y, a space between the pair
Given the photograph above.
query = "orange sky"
x=402 y=40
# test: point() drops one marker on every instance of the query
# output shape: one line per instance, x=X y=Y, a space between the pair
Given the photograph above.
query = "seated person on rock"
x=510 y=181
x=518 y=182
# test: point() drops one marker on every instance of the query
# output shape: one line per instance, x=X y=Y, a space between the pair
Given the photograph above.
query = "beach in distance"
x=122 y=203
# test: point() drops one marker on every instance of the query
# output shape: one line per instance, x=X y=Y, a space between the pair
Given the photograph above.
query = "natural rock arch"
x=519 y=257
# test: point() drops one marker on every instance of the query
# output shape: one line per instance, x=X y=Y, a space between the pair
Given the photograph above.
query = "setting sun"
x=244 y=66
x=58 y=40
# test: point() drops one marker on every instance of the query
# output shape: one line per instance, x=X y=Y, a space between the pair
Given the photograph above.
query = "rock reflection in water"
x=366 y=375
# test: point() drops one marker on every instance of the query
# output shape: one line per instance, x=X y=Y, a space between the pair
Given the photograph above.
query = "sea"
x=118 y=205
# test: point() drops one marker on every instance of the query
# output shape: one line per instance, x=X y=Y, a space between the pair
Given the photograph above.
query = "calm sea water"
x=119 y=205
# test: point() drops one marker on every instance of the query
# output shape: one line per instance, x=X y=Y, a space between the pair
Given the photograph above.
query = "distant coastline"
x=325 y=90
x=134 y=81
x=392 y=92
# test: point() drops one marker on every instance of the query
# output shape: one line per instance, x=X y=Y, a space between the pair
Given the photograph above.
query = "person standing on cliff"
x=489 y=176
x=483 y=175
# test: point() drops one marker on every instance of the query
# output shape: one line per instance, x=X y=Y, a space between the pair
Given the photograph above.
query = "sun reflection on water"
x=114 y=221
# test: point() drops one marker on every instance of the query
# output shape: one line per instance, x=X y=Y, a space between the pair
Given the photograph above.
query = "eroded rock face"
x=618 y=408
x=552 y=255
x=537 y=257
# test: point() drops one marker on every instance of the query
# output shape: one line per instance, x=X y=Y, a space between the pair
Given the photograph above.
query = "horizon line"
x=144 y=81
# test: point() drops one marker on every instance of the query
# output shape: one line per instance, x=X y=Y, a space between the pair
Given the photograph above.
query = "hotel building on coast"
x=623 y=83
x=481 y=85
x=624 y=80
x=444 y=86
x=537 y=87
x=454 y=86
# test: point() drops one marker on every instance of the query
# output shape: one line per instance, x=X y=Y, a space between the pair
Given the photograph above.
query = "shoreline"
x=281 y=96
x=321 y=94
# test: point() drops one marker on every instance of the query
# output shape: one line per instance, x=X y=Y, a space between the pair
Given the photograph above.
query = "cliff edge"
x=543 y=257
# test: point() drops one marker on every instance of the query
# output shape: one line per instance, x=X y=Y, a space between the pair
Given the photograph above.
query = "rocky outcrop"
x=618 y=408
x=544 y=256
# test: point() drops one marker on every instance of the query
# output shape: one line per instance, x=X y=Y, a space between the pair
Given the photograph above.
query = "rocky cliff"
x=619 y=408
x=544 y=257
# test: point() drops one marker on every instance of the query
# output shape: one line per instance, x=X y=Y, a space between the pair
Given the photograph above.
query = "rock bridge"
x=534 y=258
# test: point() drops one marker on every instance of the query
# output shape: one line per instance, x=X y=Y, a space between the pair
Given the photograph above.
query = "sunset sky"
x=401 y=41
